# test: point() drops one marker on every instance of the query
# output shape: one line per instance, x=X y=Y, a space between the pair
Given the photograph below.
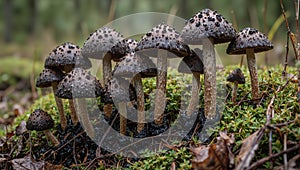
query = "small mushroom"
x=193 y=64
x=120 y=92
x=134 y=66
x=48 y=78
x=80 y=84
x=98 y=46
x=161 y=42
x=66 y=57
x=236 y=77
x=250 y=41
x=40 y=120
x=208 y=28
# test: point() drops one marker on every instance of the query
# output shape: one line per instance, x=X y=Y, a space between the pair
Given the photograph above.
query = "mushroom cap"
x=207 y=24
x=49 y=76
x=65 y=56
x=162 y=37
x=122 y=48
x=192 y=63
x=133 y=64
x=39 y=120
x=118 y=90
x=79 y=83
x=236 y=76
x=249 y=38
x=100 y=42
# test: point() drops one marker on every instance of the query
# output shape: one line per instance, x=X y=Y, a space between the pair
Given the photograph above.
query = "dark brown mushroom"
x=66 y=57
x=208 y=28
x=250 y=41
x=51 y=78
x=123 y=48
x=135 y=67
x=98 y=46
x=192 y=64
x=80 y=84
x=236 y=77
x=40 y=120
x=161 y=42
x=119 y=91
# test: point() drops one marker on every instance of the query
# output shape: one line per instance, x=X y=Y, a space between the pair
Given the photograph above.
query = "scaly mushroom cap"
x=236 y=76
x=39 y=120
x=207 y=24
x=49 y=76
x=79 y=83
x=133 y=64
x=119 y=90
x=249 y=38
x=123 y=48
x=162 y=37
x=192 y=63
x=67 y=55
x=100 y=42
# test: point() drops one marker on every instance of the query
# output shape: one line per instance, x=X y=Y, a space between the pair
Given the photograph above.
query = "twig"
x=284 y=149
x=263 y=160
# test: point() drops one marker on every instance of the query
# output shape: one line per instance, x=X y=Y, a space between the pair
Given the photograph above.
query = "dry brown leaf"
x=21 y=128
x=52 y=167
x=217 y=156
x=250 y=144
x=27 y=163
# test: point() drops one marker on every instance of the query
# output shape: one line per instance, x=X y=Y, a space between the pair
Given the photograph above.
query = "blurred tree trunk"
x=183 y=8
x=79 y=17
x=8 y=20
x=32 y=16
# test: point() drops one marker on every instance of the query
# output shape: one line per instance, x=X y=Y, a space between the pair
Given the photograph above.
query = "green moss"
x=241 y=120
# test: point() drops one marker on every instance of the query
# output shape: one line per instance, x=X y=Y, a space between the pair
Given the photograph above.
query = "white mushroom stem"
x=234 y=91
x=84 y=117
x=210 y=92
x=73 y=113
x=140 y=102
x=107 y=76
x=123 y=117
x=161 y=82
x=60 y=107
x=253 y=73
x=51 y=137
x=194 y=101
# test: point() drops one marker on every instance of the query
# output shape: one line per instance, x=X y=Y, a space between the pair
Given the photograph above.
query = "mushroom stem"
x=60 y=107
x=123 y=115
x=73 y=113
x=107 y=76
x=210 y=95
x=161 y=82
x=51 y=137
x=84 y=117
x=140 y=102
x=194 y=101
x=253 y=73
x=234 y=91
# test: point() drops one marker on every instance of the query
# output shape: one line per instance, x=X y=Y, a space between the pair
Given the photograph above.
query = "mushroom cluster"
x=66 y=68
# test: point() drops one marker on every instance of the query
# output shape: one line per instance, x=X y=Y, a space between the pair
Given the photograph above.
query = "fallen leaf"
x=250 y=144
x=52 y=167
x=21 y=128
x=27 y=163
x=216 y=156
